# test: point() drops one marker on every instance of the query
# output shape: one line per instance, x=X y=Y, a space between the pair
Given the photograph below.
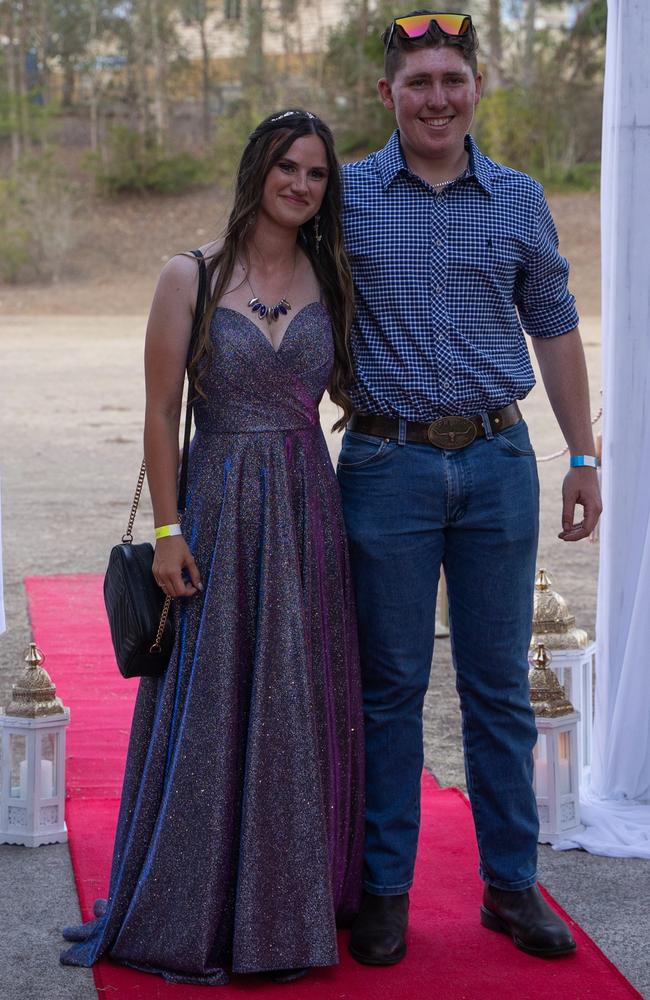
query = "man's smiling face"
x=433 y=95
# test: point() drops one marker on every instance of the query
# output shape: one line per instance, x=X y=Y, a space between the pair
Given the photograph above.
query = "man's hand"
x=581 y=487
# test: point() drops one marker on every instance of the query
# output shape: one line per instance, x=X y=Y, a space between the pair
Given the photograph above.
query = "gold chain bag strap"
x=137 y=609
x=127 y=539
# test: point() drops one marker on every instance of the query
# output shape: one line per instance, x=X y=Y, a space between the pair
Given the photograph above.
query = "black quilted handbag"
x=137 y=609
x=138 y=612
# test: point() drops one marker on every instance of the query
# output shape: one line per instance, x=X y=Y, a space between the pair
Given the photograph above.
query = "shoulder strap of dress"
x=199 y=312
x=199 y=309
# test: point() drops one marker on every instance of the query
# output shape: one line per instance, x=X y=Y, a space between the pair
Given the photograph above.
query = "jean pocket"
x=360 y=450
x=516 y=440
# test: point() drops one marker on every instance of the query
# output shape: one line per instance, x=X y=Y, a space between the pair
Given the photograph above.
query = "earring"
x=317 y=234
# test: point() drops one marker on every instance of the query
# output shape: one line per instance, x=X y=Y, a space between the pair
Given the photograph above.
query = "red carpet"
x=450 y=957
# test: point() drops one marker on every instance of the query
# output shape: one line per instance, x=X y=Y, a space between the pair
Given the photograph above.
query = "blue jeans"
x=408 y=509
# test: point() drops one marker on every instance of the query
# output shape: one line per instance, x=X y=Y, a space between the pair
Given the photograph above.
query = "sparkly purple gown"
x=239 y=840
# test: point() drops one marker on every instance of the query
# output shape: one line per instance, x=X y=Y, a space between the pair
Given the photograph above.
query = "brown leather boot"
x=528 y=919
x=377 y=936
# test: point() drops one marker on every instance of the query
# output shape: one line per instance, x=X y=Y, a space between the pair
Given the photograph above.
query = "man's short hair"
x=434 y=38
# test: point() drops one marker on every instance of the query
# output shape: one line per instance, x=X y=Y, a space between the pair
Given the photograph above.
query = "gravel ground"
x=70 y=448
x=71 y=433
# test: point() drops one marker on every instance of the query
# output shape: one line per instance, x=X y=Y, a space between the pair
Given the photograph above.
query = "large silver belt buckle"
x=451 y=433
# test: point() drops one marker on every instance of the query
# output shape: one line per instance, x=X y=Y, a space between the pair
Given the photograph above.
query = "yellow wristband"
x=168 y=529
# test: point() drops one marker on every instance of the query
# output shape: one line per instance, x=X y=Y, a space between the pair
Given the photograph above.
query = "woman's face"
x=295 y=186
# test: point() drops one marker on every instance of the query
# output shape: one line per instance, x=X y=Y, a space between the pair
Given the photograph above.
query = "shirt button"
x=446 y=385
x=439 y=243
x=438 y=289
x=440 y=336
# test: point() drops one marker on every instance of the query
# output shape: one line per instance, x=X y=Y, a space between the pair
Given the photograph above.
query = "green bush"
x=529 y=131
x=131 y=163
x=506 y=129
x=233 y=129
x=14 y=237
x=36 y=220
x=580 y=177
x=15 y=254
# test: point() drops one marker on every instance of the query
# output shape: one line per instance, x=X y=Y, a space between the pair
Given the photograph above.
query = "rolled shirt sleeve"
x=546 y=306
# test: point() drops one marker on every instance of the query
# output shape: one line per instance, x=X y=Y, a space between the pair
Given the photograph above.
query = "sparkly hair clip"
x=288 y=114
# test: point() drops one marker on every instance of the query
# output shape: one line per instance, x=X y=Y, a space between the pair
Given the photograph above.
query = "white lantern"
x=557 y=772
x=32 y=766
x=574 y=657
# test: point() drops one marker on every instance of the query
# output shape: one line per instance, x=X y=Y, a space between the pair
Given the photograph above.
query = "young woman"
x=239 y=839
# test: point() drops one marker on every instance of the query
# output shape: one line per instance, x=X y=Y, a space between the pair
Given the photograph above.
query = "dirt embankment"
x=121 y=245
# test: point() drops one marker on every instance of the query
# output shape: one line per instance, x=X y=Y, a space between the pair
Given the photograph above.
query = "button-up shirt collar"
x=391 y=163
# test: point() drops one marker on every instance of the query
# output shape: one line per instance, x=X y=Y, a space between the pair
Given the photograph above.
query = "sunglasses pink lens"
x=418 y=24
x=415 y=26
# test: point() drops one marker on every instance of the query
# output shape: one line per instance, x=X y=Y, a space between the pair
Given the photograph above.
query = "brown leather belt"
x=449 y=432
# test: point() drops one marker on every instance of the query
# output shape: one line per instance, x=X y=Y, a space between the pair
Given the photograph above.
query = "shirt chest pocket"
x=492 y=259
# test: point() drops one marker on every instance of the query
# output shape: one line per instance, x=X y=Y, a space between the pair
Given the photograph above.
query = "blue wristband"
x=578 y=461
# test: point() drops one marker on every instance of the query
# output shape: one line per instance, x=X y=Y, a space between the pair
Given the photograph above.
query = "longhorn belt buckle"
x=451 y=433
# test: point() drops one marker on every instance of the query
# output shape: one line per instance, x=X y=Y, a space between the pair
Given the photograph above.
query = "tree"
x=13 y=96
x=159 y=30
x=197 y=12
x=70 y=29
x=21 y=95
x=255 y=68
x=528 y=69
x=496 y=45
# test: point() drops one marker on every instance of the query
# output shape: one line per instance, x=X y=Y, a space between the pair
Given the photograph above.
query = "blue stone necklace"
x=270 y=313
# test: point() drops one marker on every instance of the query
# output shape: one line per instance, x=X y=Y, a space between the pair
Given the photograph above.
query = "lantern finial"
x=553 y=623
x=546 y=693
x=34 y=695
x=34 y=656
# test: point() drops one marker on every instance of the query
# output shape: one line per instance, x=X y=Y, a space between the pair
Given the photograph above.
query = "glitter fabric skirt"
x=240 y=835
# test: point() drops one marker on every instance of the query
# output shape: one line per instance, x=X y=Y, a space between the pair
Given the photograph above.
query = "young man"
x=452 y=255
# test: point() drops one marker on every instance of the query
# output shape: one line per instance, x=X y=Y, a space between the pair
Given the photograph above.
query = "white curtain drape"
x=2 y=605
x=616 y=800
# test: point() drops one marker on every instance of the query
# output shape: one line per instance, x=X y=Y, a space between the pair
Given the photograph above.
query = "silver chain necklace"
x=270 y=313
x=441 y=184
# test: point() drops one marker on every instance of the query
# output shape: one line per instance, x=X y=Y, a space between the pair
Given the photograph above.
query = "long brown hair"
x=267 y=144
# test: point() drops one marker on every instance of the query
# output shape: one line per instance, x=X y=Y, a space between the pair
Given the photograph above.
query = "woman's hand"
x=171 y=557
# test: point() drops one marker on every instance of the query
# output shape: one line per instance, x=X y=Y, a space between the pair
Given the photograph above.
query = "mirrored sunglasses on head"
x=417 y=25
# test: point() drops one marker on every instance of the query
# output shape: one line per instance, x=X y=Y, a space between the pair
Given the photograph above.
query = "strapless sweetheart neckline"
x=276 y=350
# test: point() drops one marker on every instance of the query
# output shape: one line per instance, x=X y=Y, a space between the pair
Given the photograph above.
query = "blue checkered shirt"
x=444 y=283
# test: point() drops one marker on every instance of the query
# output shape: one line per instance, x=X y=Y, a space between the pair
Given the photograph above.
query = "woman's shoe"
x=287 y=975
